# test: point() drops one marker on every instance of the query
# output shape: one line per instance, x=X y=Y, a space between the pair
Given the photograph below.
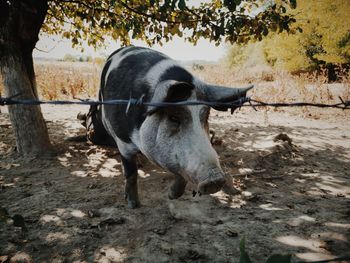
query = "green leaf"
x=244 y=257
x=242 y=245
x=277 y=258
x=182 y=4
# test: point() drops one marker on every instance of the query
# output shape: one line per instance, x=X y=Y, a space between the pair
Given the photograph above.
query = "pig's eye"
x=174 y=119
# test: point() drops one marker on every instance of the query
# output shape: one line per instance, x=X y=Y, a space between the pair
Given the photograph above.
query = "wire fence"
x=242 y=102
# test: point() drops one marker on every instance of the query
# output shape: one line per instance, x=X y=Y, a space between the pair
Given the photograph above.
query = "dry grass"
x=67 y=80
x=279 y=86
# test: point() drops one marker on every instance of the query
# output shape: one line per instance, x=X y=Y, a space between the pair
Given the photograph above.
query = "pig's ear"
x=170 y=91
x=224 y=94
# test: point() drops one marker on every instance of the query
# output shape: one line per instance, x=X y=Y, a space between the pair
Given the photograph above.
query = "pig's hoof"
x=211 y=186
x=172 y=195
x=177 y=189
x=230 y=190
x=175 y=193
x=133 y=204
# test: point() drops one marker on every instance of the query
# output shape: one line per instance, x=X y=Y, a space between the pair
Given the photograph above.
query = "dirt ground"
x=293 y=174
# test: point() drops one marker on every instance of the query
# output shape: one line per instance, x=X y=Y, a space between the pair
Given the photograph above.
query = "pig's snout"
x=213 y=182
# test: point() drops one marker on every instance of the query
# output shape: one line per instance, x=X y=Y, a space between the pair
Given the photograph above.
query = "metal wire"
x=137 y=102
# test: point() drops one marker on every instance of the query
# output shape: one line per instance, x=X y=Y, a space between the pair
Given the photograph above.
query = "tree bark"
x=331 y=73
x=20 y=23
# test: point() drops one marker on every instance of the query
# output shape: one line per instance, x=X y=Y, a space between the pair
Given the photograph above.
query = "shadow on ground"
x=294 y=199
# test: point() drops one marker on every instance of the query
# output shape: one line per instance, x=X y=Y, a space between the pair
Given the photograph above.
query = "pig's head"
x=177 y=138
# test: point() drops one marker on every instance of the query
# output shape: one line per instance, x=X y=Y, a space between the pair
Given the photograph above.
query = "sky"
x=55 y=47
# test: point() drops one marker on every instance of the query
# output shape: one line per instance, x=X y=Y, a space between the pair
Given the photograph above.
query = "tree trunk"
x=20 y=23
x=331 y=73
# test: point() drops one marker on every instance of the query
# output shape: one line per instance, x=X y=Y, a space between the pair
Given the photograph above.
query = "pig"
x=175 y=138
x=95 y=131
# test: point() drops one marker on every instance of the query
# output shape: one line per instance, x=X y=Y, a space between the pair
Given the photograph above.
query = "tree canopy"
x=323 y=38
x=318 y=40
x=156 y=21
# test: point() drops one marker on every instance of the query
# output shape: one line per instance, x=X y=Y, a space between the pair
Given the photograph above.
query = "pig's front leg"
x=130 y=173
x=177 y=188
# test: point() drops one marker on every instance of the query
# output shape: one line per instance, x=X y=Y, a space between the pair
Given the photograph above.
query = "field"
x=290 y=167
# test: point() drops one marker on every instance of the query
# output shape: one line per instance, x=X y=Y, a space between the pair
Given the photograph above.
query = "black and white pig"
x=175 y=138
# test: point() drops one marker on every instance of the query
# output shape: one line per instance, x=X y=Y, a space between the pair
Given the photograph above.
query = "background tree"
x=152 y=21
x=322 y=38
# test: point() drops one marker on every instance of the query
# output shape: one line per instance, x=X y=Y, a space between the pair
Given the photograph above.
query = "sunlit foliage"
x=157 y=21
x=322 y=36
